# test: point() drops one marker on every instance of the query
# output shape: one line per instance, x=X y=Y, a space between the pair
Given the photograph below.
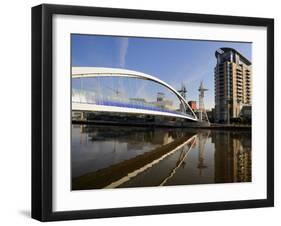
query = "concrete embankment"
x=227 y=127
x=176 y=125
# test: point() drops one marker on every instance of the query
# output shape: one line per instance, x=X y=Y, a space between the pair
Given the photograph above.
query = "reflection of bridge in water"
x=108 y=90
x=123 y=171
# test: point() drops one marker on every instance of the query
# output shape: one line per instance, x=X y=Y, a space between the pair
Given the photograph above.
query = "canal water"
x=122 y=156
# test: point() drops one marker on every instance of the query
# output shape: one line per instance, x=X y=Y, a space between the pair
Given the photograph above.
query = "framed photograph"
x=145 y=112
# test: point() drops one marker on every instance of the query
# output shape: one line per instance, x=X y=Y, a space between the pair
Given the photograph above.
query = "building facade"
x=233 y=84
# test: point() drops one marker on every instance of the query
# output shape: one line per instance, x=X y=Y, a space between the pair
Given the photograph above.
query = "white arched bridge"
x=126 y=91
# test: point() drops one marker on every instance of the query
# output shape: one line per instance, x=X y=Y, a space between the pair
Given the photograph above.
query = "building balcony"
x=220 y=85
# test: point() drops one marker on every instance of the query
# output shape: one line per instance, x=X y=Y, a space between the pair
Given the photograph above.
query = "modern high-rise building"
x=233 y=84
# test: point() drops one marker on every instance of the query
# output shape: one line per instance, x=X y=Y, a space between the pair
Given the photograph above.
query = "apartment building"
x=233 y=84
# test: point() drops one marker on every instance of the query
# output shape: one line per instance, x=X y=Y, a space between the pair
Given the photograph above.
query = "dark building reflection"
x=232 y=156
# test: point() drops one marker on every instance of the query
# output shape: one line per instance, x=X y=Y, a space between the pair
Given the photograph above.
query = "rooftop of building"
x=227 y=49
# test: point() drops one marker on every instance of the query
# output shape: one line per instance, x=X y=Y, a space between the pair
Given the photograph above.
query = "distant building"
x=160 y=96
x=162 y=102
x=141 y=100
x=233 y=84
x=192 y=104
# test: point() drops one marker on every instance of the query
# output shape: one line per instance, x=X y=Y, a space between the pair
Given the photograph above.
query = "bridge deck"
x=129 y=108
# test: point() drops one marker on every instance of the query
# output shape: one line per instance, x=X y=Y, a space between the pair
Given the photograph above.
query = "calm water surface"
x=111 y=156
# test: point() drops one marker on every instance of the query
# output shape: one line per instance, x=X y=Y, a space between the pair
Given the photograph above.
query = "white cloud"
x=124 y=44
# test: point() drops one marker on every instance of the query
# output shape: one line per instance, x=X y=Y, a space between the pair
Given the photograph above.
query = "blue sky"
x=172 y=60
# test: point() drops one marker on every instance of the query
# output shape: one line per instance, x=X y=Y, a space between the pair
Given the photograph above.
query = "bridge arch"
x=97 y=72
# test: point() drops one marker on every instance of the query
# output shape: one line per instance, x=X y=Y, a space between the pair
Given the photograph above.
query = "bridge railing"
x=88 y=97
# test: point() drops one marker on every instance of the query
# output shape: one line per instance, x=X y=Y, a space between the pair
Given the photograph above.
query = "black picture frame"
x=42 y=108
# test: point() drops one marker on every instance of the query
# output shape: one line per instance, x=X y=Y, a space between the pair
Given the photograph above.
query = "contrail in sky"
x=124 y=44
